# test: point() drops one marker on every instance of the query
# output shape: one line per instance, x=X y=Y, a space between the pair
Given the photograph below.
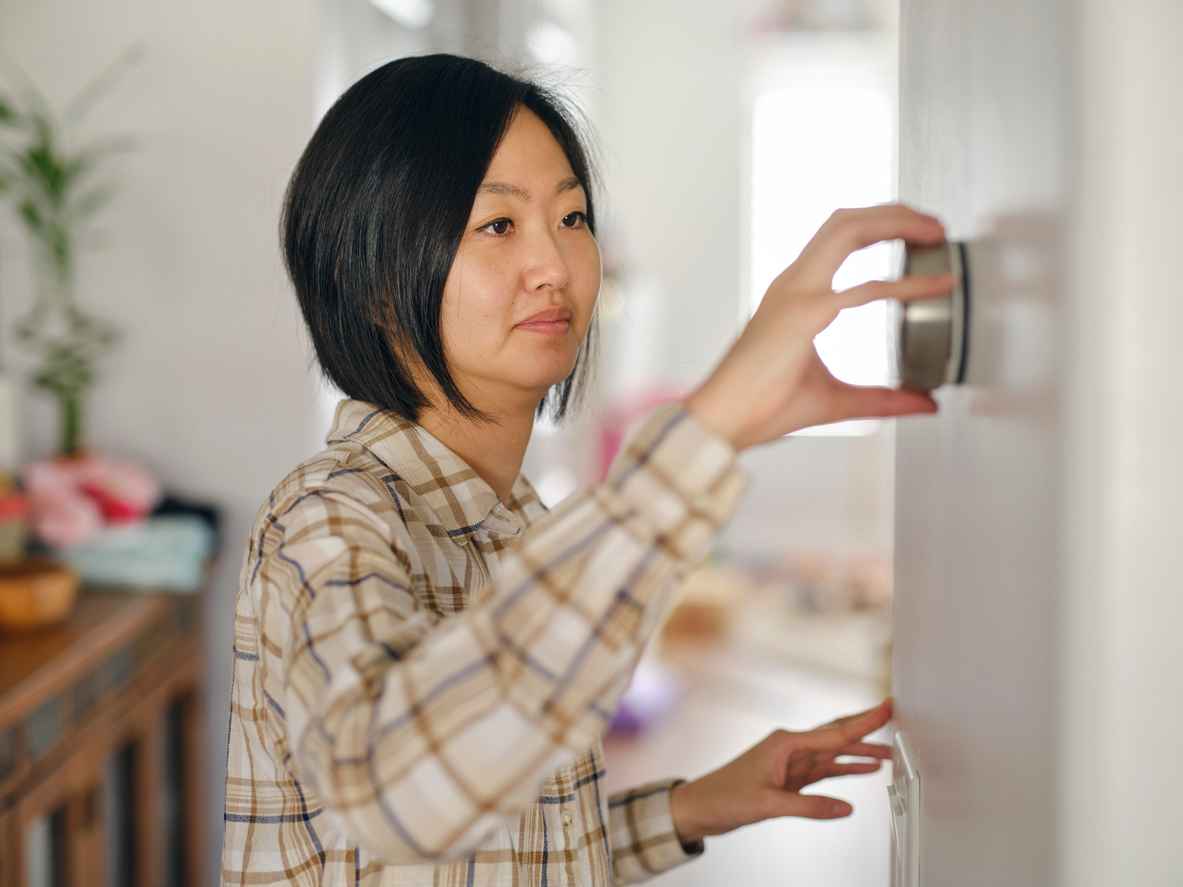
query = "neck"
x=494 y=450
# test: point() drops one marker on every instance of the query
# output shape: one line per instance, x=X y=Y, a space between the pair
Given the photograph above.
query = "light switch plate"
x=904 y=797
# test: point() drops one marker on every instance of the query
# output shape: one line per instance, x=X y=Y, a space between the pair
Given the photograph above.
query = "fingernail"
x=839 y=809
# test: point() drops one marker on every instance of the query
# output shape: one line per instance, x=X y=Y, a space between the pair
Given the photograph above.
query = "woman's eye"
x=501 y=232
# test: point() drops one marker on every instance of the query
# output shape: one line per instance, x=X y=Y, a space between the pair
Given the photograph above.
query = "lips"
x=553 y=326
x=550 y=315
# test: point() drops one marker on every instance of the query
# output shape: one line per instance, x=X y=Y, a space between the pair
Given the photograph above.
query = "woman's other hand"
x=771 y=381
x=765 y=782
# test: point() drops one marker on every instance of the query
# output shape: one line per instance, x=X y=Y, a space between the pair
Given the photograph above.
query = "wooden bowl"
x=35 y=592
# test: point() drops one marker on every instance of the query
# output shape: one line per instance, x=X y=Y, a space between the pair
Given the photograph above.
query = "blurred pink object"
x=125 y=492
x=72 y=499
x=618 y=418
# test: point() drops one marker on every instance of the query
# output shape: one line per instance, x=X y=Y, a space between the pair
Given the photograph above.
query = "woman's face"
x=517 y=257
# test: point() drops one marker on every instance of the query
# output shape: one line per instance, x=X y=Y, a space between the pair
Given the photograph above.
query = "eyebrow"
x=568 y=184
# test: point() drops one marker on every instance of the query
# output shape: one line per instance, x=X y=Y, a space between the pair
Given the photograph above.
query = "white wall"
x=984 y=144
x=1037 y=654
x=1119 y=813
x=209 y=389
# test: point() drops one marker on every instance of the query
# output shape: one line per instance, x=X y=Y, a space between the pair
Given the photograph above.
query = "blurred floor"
x=734 y=694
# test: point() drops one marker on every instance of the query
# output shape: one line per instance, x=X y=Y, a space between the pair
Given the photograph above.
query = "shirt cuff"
x=682 y=475
x=642 y=834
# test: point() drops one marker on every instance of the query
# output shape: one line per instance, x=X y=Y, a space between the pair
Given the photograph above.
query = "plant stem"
x=71 y=421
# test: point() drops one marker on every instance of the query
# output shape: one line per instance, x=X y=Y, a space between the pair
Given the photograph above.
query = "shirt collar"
x=461 y=499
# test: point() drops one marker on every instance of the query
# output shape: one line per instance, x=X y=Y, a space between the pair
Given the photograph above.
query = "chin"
x=545 y=384
x=539 y=369
x=542 y=382
x=547 y=364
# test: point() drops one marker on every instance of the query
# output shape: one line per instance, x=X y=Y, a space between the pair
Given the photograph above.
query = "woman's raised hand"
x=771 y=381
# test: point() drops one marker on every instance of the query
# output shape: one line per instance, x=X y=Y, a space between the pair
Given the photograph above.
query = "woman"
x=426 y=657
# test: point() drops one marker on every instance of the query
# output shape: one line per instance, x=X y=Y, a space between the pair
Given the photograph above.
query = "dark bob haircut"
x=375 y=211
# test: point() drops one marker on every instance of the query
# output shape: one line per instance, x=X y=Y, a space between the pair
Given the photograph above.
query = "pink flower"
x=69 y=501
x=59 y=512
x=67 y=520
x=124 y=491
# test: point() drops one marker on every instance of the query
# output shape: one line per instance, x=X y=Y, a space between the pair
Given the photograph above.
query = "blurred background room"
x=183 y=387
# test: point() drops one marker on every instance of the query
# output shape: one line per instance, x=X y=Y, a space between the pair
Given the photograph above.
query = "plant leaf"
x=81 y=163
x=110 y=145
x=92 y=201
x=77 y=107
x=40 y=119
x=31 y=215
x=59 y=243
x=43 y=165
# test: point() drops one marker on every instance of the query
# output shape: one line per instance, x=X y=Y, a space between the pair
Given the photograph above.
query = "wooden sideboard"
x=102 y=768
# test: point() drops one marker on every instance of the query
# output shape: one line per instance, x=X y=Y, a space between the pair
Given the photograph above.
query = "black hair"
x=376 y=208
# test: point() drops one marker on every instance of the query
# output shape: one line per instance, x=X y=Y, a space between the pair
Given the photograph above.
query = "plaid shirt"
x=423 y=674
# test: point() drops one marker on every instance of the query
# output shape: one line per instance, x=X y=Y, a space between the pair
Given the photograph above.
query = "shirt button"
x=566 y=818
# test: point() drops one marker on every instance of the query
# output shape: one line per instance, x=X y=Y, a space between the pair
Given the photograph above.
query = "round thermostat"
x=931 y=336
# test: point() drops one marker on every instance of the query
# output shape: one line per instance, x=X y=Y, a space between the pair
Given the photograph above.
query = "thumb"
x=869 y=401
x=808 y=806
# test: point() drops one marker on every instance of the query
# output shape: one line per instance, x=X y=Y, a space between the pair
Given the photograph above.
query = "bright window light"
x=551 y=44
x=413 y=14
x=823 y=137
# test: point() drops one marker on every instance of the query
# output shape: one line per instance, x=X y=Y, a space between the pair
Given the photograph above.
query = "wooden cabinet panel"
x=100 y=744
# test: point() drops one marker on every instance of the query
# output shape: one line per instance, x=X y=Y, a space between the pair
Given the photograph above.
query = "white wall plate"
x=904 y=796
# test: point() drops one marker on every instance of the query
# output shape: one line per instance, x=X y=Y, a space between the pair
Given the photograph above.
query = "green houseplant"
x=51 y=186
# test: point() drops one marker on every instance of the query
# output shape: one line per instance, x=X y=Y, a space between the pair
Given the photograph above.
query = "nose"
x=547 y=264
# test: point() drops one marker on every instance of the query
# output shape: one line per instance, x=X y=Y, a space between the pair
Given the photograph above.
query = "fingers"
x=906 y=289
x=851 y=769
x=867 y=750
x=842 y=731
x=880 y=712
x=876 y=401
x=809 y=806
x=848 y=230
